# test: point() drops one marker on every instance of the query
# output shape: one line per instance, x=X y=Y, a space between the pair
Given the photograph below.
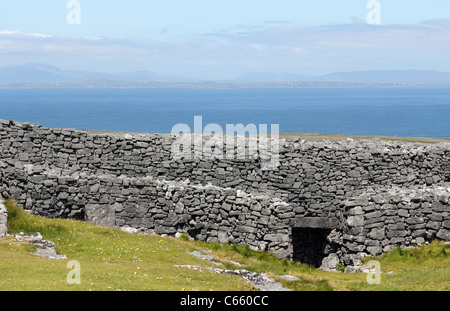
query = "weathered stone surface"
x=375 y=250
x=355 y=221
x=443 y=234
x=330 y=262
x=316 y=222
x=377 y=234
x=222 y=237
x=202 y=256
x=101 y=215
x=44 y=248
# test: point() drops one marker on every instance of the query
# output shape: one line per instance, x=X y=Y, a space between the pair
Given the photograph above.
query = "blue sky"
x=224 y=39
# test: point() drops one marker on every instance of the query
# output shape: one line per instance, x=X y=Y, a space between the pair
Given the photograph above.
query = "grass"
x=426 y=268
x=114 y=260
x=110 y=259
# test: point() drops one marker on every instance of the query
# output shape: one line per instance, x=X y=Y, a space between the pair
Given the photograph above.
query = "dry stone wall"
x=381 y=219
x=345 y=194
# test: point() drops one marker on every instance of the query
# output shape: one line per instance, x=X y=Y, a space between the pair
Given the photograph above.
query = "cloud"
x=277 y=22
x=240 y=49
x=22 y=34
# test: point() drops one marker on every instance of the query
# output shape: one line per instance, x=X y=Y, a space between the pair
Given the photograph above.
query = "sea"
x=402 y=112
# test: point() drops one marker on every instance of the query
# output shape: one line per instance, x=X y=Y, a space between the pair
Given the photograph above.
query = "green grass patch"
x=419 y=255
x=110 y=259
x=426 y=268
x=115 y=260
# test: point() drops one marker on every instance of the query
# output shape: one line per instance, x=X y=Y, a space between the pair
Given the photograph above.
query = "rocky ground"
x=44 y=248
x=261 y=281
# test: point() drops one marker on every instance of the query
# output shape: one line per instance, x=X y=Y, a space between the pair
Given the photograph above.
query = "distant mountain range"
x=41 y=73
x=393 y=76
x=272 y=77
x=46 y=74
x=371 y=77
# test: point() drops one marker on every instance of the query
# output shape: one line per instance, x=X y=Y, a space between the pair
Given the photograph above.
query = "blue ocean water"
x=388 y=112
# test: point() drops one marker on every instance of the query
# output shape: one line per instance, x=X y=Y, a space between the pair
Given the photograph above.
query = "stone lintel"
x=316 y=223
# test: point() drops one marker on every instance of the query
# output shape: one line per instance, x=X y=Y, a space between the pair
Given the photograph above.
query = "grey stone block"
x=375 y=250
x=355 y=221
x=100 y=215
x=443 y=234
x=316 y=222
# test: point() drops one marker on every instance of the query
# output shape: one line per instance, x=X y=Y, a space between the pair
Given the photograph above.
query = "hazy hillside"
x=273 y=77
x=393 y=76
x=41 y=73
x=33 y=73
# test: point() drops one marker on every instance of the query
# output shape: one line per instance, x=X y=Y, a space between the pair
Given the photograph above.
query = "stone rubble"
x=261 y=281
x=44 y=248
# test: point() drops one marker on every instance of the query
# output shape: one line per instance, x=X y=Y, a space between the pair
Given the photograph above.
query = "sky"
x=218 y=39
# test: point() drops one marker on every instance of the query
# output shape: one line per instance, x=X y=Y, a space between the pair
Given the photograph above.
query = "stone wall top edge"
x=345 y=144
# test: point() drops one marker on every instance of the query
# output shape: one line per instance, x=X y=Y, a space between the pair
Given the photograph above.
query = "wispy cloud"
x=239 y=49
x=277 y=22
x=22 y=34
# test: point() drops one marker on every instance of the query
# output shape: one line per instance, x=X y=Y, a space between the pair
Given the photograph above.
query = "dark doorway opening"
x=310 y=245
